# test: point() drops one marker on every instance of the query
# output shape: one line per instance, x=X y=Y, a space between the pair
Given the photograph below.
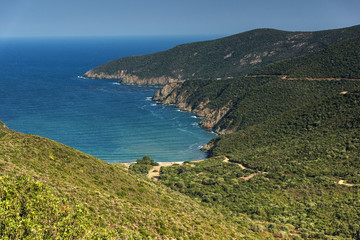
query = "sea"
x=42 y=93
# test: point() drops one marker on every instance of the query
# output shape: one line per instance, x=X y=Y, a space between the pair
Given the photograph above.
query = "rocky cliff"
x=172 y=94
x=131 y=79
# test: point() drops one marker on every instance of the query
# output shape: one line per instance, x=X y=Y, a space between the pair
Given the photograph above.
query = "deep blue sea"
x=40 y=93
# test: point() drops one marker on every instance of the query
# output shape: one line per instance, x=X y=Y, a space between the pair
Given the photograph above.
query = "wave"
x=148 y=98
x=195 y=146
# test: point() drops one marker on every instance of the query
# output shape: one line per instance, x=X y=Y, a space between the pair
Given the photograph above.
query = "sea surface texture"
x=41 y=93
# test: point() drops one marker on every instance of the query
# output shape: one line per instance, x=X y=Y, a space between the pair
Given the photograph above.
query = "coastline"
x=163 y=92
x=154 y=172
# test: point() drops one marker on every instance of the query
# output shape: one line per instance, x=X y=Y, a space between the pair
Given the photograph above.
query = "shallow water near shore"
x=41 y=93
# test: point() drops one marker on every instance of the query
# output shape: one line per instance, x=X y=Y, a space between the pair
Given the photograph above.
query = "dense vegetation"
x=48 y=190
x=232 y=56
x=254 y=100
x=293 y=162
x=143 y=165
x=338 y=61
x=297 y=143
x=30 y=209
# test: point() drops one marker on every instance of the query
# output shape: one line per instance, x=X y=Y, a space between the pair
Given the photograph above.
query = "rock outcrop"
x=172 y=94
x=130 y=79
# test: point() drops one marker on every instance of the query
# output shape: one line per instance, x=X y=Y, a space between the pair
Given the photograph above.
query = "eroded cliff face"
x=130 y=79
x=172 y=94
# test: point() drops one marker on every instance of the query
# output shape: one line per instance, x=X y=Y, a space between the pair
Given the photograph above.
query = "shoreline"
x=195 y=115
x=161 y=164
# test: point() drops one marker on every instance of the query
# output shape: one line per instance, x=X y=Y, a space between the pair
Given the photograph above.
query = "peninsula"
x=228 y=57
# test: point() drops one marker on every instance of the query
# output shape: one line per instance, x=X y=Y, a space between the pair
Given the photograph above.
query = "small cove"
x=40 y=93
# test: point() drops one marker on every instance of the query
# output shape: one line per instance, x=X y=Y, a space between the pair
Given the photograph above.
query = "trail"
x=343 y=182
x=154 y=172
x=227 y=160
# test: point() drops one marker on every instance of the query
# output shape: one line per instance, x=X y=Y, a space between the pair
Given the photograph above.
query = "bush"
x=143 y=165
x=146 y=160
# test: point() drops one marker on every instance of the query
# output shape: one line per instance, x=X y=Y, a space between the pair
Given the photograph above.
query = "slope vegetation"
x=229 y=105
x=296 y=162
x=232 y=56
x=338 y=61
x=49 y=190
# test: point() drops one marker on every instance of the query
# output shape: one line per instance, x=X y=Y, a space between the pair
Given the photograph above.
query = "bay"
x=40 y=93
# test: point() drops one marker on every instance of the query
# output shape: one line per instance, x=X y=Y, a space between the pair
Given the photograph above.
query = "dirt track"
x=227 y=160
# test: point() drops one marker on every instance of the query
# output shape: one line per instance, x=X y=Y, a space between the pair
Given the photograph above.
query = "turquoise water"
x=40 y=93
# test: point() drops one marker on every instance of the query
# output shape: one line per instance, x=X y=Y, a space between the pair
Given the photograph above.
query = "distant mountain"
x=227 y=57
x=341 y=60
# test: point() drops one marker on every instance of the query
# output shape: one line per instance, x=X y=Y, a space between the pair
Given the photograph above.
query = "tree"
x=146 y=160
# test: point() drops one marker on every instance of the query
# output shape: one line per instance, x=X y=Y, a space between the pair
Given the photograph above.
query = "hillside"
x=338 y=61
x=300 y=168
x=289 y=149
x=49 y=190
x=231 y=56
x=230 y=105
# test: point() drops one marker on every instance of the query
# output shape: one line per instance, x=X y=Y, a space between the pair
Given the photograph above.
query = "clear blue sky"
x=39 y=18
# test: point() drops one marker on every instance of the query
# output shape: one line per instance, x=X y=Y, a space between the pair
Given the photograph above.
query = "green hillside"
x=49 y=190
x=300 y=168
x=231 y=56
x=248 y=101
x=338 y=61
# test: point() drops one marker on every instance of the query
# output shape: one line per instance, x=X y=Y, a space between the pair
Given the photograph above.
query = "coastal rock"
x=173 y=94
x=213 y=117
x=130 y=79
x=165 y=92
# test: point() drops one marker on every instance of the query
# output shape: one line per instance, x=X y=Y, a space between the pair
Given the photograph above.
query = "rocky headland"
x=125 y=78
x=233 y=56
x=172 y=94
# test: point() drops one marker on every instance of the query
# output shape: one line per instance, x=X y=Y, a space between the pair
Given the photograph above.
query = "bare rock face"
x=165 y=91
x=102 y=75
x=213 y=117
x=172 y=94
x=130 y=79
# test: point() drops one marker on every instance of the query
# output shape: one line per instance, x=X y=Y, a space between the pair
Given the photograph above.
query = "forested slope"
x=231 y=56
x=229 y=105
x=293 y=170
x=338 y=61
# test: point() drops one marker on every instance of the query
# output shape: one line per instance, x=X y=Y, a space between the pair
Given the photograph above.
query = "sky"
x=64 y=18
